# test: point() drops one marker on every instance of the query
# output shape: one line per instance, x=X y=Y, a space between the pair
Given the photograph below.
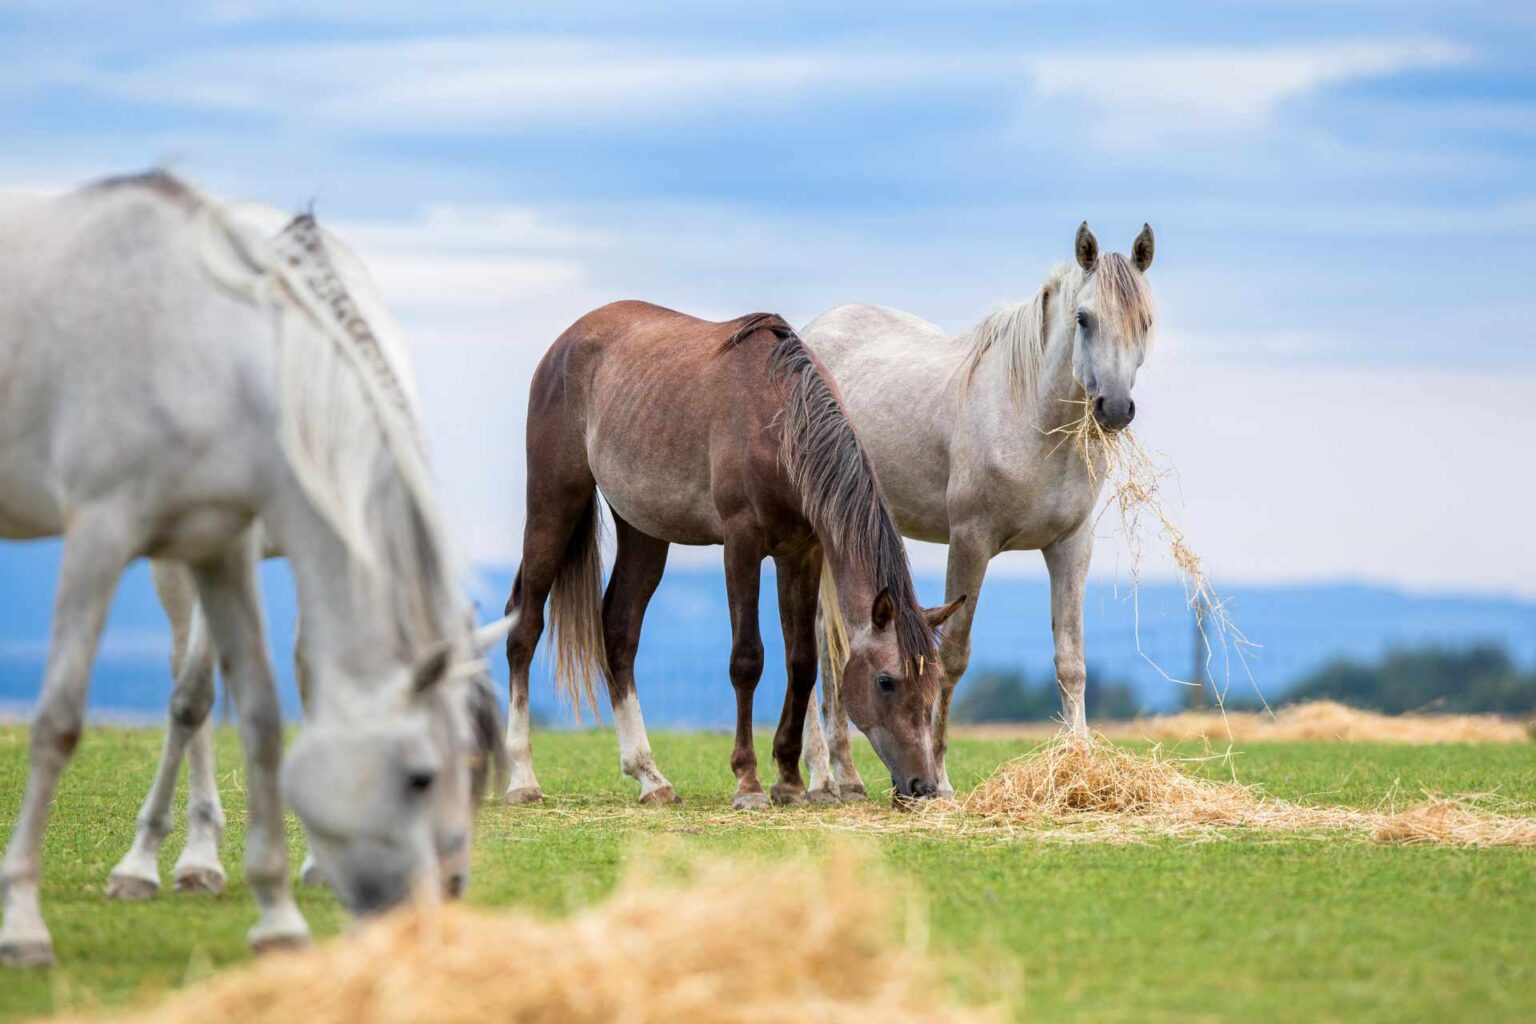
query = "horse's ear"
x=1141 y=249
x=431 y=668
x=1086 y=247
x=938 y=616
x=883 y=610
x=492 y=633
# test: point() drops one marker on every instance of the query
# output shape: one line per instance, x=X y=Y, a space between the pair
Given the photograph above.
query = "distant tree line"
x=1481 y=679
x=1004 y=695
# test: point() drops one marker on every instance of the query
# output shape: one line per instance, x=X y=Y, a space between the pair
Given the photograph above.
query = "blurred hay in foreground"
x=1327 y=720
x=1093 y=790
x=734 y=943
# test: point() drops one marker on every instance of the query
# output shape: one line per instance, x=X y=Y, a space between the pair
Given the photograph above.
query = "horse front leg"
x=96 y=550
x=969 y=553
x=743 y=576
x=227 y=589
x=798 y=579
x=1067 y=560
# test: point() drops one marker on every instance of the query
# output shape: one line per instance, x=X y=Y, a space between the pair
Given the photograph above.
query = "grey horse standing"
x=965 y=435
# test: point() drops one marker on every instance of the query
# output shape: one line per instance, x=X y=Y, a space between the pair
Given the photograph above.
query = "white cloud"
x=1140 y=95
x=479 y=84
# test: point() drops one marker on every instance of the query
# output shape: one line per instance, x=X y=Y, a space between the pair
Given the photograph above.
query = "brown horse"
x=713 y=433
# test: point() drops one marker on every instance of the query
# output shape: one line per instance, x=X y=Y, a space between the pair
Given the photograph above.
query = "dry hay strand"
x=1327 y=720
x=1078 y=788
x=1448 y=822
x=729 y=943
x=1135 y=494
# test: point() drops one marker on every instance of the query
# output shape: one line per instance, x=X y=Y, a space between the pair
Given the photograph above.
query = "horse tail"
x=576 y=613
x=831 y=640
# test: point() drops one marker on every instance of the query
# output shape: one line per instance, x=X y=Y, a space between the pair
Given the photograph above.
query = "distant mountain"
x=683 y=655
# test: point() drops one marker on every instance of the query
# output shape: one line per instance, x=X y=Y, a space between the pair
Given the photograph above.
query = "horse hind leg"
x=137 y=875
x=637 y=569
x=96 y=550
x=560 y=497
x=845 y=775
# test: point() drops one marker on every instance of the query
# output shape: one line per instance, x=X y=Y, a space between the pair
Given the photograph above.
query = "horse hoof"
x=524 y=795
x=789 y=796
x=27 y=953
x=852 y=791
x=313 y=877
x=822 y=796
x=279 y=942
x=132 y=888
x=750 y=801
x=661 y=795
x=198 y=879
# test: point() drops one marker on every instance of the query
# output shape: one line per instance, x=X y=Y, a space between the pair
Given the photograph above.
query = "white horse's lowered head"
x=384 y=774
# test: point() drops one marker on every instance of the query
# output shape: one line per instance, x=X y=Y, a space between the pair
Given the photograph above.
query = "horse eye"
x=419 y=780
x=1082 y=318
x=887 y=683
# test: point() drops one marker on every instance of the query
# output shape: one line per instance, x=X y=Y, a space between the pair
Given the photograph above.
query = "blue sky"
x=1344 y=196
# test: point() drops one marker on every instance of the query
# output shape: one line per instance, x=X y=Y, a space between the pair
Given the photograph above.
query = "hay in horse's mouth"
x=1135 y=490
x=789 y=940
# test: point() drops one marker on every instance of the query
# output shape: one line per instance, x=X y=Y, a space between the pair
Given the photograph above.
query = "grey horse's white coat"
x=166 y=381
x=198 y=868
x=965 y=435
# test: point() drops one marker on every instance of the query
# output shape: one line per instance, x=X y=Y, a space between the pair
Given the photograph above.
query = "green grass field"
x=1250 y=926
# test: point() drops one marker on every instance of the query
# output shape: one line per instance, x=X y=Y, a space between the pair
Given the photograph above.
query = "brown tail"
x=576 y=613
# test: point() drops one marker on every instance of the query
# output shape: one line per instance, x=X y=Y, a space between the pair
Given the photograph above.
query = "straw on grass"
x=1325 y=720
x=786 y=941
x=1092 y=789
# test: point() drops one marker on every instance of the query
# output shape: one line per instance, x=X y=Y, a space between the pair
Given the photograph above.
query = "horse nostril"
x=1098 y=406
x=1130 y=409
x=454 y=887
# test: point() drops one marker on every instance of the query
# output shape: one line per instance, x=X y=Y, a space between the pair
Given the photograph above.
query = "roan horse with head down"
x=713 y=433
x=171 y=379
x=967 y=436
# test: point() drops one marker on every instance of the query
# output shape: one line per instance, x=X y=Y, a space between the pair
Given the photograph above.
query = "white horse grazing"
x=168 y=379
x=961 y=433
x=198 y=869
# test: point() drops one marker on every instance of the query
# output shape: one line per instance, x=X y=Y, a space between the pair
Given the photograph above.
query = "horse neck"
x=995 y=406
x=1057 y=402
x=345 y=631
x=856 y=587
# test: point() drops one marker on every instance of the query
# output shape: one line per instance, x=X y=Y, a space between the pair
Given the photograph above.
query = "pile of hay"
x=785 y=941
x=1326 y=720
x=1090 y=789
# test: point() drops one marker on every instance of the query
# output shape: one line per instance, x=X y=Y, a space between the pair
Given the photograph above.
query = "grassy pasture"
x=1249 y=926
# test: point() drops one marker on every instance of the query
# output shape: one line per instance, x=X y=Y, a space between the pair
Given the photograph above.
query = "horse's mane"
x=348 y=426
x=1022 y=331
x=351 y=433
x=831 y=470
